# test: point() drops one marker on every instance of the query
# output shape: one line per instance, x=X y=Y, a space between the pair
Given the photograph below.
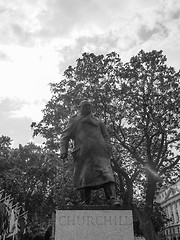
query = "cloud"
x=67 y=18
x=44 y=20
x=28 y=22
x=95 y=44
x=4 y=56
x=28 y=73
x=7 y=105
x=15 y=126
x=19 y=21
x=16 y=108
x=32 y=111
x=97 y=26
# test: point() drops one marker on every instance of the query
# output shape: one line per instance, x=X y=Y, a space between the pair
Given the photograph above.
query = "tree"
x=152 y=110
x=34 y=184
x=34 y=177
x=139 y=102
x=28 y=174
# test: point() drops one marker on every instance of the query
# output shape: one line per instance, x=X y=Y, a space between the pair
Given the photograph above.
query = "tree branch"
x=171 y=165
x=135 y=174
x=173 y=140
x=140 y=142
x=160 y=149
x=148 y=142
x=121 y=171
x=162 y=155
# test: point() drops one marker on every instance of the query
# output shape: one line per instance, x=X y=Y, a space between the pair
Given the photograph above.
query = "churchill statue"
x=91 y=153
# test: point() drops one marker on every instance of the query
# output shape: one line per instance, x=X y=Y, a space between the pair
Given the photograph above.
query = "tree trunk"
x=128 y=194
x=148 y=229
x=146 y=225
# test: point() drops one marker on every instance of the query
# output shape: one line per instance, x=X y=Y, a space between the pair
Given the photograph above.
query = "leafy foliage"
x=31 y=176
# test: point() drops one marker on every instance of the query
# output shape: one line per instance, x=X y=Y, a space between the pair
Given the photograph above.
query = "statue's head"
x=85 y=107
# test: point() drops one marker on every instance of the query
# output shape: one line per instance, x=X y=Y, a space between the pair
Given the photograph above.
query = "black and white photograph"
x=89 y=120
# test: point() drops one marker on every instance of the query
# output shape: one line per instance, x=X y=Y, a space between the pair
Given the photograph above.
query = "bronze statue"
x=91 y=153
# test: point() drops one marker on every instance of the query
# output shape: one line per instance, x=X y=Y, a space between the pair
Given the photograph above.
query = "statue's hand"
x=64 y=155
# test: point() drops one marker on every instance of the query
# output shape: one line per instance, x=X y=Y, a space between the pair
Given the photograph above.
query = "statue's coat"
x=91 y=151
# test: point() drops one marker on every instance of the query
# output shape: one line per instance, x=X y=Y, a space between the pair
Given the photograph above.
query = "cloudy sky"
x=39 y=39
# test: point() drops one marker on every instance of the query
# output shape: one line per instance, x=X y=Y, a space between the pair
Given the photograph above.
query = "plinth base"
x=93 y=223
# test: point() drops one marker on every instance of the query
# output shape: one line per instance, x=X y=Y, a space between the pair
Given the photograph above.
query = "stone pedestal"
x=93 y=223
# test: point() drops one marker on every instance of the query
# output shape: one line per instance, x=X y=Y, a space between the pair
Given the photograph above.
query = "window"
x=177 y=216
x=172 y=213
x=176 y=212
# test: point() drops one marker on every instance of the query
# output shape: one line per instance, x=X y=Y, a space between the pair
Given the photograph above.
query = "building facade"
x=169 y=199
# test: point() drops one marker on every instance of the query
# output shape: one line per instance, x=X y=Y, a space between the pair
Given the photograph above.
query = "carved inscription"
x=94 y=225
x=98 y=220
